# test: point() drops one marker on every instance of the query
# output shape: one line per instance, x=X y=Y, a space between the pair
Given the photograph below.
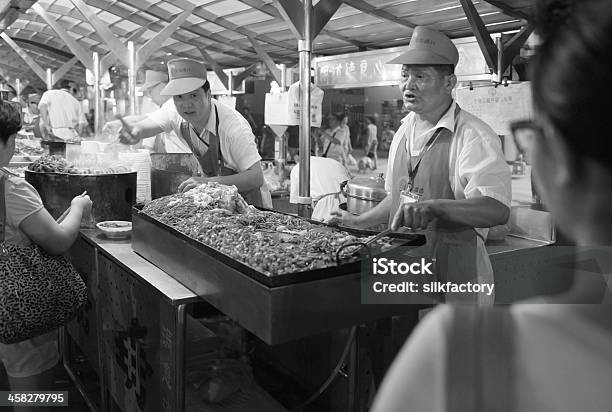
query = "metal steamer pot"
x=363 y=193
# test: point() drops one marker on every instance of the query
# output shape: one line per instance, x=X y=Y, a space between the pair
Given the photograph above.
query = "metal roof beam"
x=39 y=71
x=72 y=44
x=322 y=12
x=113 y=43
x=161 y=14
x=513 y=47
x=289 y=10
x=273 y=12
x=267 y=60
x=110 y=58
x=517 y=14
x=240 y=77
x=61 y=72
x=220 y=21
x=373 y=11
x=215 y=66
x=147 y=49
x=487 y=46
x=42 y=48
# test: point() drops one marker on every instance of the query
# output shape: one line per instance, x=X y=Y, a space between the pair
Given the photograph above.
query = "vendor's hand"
x=126 y=134
x=415 y=215
x=191 y=183
x=81 y=202
x=341 y=217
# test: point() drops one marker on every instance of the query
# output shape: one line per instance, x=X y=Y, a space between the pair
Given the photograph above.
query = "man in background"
x=61 y=114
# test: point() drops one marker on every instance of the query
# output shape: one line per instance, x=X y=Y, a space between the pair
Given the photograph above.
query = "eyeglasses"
x=525 y=132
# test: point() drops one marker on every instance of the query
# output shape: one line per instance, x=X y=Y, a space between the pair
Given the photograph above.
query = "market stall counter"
x=131 y=347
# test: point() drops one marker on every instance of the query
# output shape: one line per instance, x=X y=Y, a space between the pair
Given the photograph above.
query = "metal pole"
x=132 y=78
x=96 y=85
x=500 y=54
x=18 y=89
x=49 y=79
x=230 y=80
x=304 y=49
x=283 y=68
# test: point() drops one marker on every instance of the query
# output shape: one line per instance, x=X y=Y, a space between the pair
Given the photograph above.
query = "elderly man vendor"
x=219 y=137
x=446 y=172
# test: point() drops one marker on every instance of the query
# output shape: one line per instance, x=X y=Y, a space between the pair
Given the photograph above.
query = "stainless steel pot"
x=363 y=193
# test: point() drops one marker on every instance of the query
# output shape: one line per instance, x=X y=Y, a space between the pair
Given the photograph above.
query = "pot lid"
x=371 y=188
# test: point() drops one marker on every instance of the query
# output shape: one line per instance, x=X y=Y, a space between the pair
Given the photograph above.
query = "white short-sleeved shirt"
x=22 y=201
x=64 y=110
x=32 y=356
x=563 y=362
x=477 y=166
x=237 y=141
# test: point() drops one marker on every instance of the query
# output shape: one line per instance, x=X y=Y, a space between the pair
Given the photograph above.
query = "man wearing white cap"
x=164 y=142
x=219 y=137
x=446 y=172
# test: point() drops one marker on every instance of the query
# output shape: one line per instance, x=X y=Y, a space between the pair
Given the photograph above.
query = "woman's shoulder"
x=18 y=188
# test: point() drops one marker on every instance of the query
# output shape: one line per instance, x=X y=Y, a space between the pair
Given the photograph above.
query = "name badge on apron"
x=408 y=196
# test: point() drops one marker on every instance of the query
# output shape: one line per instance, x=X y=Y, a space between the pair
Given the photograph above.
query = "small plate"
x=115 y=229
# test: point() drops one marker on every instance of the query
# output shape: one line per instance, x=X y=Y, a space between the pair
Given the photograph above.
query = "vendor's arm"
x=133 y=131
x=476 y=212
x=246 y=180
x=375 y=216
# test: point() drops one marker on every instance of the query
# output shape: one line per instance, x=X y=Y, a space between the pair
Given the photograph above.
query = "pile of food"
x=57 y=164
x=272 y=243
x=26 y=147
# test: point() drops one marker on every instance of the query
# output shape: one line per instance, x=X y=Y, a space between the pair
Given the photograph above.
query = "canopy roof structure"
x=232 y=33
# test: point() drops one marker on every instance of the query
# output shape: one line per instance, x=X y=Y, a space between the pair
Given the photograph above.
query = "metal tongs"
x=361 y=245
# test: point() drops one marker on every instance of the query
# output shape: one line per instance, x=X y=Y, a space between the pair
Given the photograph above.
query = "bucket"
x=113 y=195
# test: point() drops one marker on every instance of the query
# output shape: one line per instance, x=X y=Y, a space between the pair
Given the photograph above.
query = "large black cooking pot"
x=113 y=195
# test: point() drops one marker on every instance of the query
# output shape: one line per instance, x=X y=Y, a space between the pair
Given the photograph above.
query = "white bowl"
x=115 y=229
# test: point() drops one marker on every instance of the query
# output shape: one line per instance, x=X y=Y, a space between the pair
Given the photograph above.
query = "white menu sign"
x=498 y=106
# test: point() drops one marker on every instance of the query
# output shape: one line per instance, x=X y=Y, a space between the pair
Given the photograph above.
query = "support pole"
x=49 y=80
x=230 y=83
x=132 y=77
x=500 y=59
x=96 y=85
x=283 y=68
x=305 y=50
x=18 y=89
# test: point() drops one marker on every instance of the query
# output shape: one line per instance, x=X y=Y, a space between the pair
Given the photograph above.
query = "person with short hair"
x=219 y=137
x=371 y=147
x=546 y=357
x=334 y=139
x=446 y=173
x=61 y=114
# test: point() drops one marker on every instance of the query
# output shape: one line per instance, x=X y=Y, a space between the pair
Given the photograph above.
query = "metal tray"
x=143 y=231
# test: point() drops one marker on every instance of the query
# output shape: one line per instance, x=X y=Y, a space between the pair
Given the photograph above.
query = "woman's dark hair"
x=371 y=119
x=571 y=73
x=10 y=120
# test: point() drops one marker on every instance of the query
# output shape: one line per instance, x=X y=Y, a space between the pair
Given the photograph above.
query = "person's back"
x=326 y=176
x=560 y=357
x=62 y=112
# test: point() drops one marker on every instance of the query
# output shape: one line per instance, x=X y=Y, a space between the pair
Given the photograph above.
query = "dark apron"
x=212 y=161
x=452 y=245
